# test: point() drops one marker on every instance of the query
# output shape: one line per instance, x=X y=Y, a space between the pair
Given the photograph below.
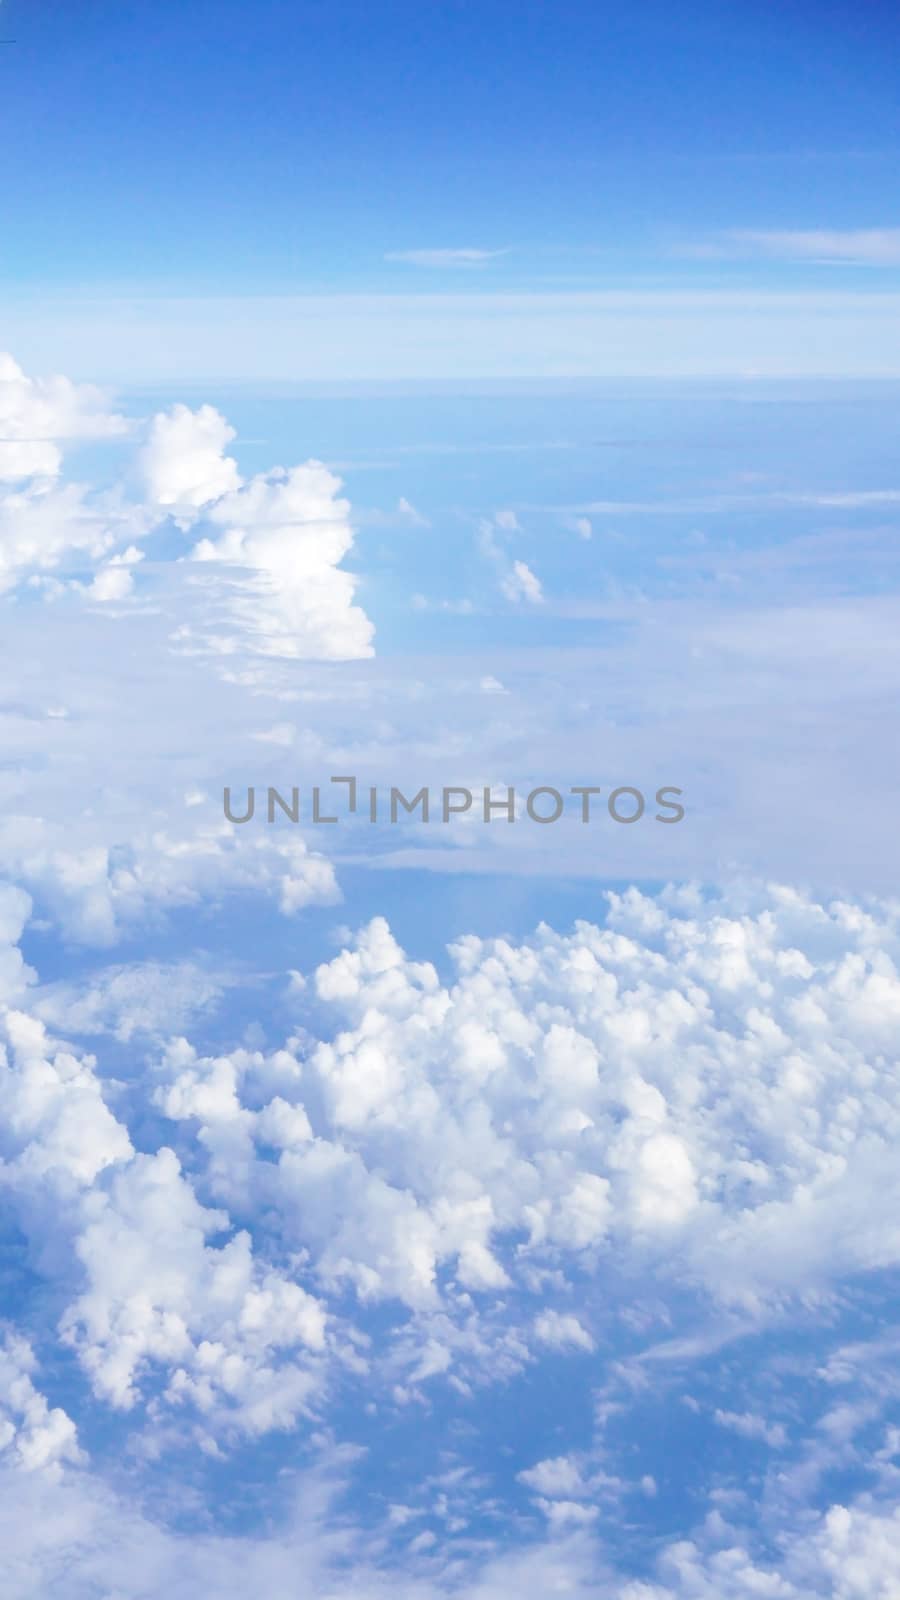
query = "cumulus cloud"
x=289 y=530
x=233 y=1337
x=98 y=1540
x=556 y=1478
x=561 y=1330
x=156 y=1292
x=45 y=526
x=102 y=1541
x=642 y=1088
x=97 y=891
x=38 y=1437
x=183 y=462
x=276 y=541
x=37 y=413
x=695 y=1101
x=56 y=1122
x=851 y=1553
x=281 y=536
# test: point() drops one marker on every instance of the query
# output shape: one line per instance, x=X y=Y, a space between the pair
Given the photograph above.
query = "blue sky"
x=496 y=400
x=313 y=153
x=296 y=146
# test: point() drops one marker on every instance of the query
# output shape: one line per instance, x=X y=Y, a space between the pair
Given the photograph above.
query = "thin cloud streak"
x=865 y=247
x=445 y=258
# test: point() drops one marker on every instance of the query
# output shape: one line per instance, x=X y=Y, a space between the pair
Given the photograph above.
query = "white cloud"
x=146 y=997
x=113 y=582
x=158 y=1293
x=99 y=1540
x=516 y=579
x=520 y=583
x=44 y=525
x=850 y=1553
x=567 y=1513
x=183 y=462
x=697 y=1095
x=445 y=258
x=55 y=1121
x=38 y=1437
x=94 y=1538
x=97 y=891
x=237 y=1340
x=37 y=413
x=15 y=910
x=750 y=1426
x=689 y=1144
x=874 y=247
x=289 y=531
x=556 y=1478
x=712 y=1081
x=562 y=1331
x=281 y=537
x=266 y=586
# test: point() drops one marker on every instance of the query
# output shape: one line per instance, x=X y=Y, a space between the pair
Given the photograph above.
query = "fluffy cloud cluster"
x=285 y=531
x=151 y=1290
x=712 y=1093
x=280 y=537
x=290 y=531
x=56 y=1124
x=183 y=461
x=700 y=1096
x=46 y=524
x=37 y=1436
x=852 y=1553
x=98 y=891
x=36 y=413
x=84 y=1538
x=157 y=1292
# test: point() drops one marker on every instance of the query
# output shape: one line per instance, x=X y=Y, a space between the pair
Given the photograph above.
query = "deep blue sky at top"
x=292 y=145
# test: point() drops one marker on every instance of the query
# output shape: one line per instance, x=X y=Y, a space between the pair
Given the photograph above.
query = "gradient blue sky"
x=480 y=152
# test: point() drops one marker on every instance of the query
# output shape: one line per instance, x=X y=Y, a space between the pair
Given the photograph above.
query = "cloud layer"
x=677 y=1125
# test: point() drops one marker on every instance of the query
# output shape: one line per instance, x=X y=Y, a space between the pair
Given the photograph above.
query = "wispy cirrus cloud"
x=445 y=258
x=870 y=247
